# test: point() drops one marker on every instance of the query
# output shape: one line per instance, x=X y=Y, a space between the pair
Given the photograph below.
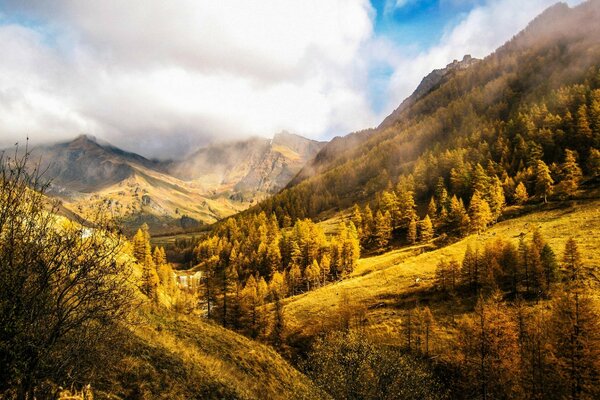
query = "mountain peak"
x=429 y=82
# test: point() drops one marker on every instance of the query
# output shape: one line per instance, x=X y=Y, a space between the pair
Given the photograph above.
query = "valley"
x=452 y=251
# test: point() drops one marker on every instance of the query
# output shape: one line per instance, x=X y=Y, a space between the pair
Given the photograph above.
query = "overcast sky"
x=162 y=77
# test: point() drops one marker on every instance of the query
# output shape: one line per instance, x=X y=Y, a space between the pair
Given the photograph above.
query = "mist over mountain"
x=210 y=184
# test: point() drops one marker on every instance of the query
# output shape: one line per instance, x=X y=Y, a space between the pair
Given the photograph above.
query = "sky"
x=163 y=78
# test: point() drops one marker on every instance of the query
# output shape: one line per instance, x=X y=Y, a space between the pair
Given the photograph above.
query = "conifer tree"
x=572 y=261
x=312 y=275
x=411 y=234
x=481 y=181
x=368 y=226
x=593 y=162
x=571 y=174
x=406 y=207
x=383 y=230
x=426 y=229
x=357 y=220
x=543 y=180
x=575 y=344
x=550 y=265
x=458 y=219
x=479 y=213
x=432 y=210
x=583 y=124
x=497 y=201
x=521 y=195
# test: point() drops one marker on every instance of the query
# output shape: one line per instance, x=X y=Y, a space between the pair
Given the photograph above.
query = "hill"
x=386 y=285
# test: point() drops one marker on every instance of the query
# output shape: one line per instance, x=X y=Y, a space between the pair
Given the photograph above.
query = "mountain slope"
x=250 y=167
x=86 y=175
x=213 y=183
x=475 y=115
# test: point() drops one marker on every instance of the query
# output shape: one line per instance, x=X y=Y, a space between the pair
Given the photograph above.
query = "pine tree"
x=479 y=213
x=521 y=195
x=383 y=230
x=583 y=124
x=593 y=162
x=458 y=219
x=426 y=229
x=576 y=345
x=543 y=180
x=571 y=174
x=572 y=261
x=497 y=201
x=312 y=275
x=411 y=235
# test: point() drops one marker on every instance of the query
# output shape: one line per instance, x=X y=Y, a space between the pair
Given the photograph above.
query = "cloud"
x=140 y=74
x=163 y=77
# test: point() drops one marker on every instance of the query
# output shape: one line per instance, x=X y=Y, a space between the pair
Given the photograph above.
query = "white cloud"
x=161 y=77
x=141 y=73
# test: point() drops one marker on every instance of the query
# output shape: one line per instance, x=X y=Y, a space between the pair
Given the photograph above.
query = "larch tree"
x=572 y=261
x=426 y=229
x=383 y=230
x=411 y=234
x=479 y=213
x=593 y=162
x=570 y=173
x=521 y=195
x=543 y=180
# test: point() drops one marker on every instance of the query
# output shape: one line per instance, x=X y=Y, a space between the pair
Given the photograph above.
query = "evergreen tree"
x=543 y=180
x=571 y=174
x=411 y=234
x=593 y=163
x=383 y=230
x=521 y=195
x=426 y=229
x=572 y=261
x=479 y=213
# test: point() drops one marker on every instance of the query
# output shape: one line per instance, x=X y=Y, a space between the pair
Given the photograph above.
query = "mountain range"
x=170 y=196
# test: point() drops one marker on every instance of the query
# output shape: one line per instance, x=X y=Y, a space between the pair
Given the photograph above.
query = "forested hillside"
x=531 y=100
x=515 y=313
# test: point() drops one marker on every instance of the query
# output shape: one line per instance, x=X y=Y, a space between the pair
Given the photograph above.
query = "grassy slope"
x=178 y=357
x=387 y=283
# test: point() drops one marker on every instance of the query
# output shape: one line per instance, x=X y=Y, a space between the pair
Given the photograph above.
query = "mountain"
x=257 y=166
x=212 y=183
x=433 y=80
x=520 y=102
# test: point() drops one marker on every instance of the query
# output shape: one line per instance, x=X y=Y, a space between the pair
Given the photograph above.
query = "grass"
x=387 y=283
x=175 y=356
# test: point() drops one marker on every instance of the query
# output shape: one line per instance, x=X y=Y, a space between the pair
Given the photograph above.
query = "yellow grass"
x=380 y=282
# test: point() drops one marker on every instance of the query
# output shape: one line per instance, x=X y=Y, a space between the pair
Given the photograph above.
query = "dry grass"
x=387 y=283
